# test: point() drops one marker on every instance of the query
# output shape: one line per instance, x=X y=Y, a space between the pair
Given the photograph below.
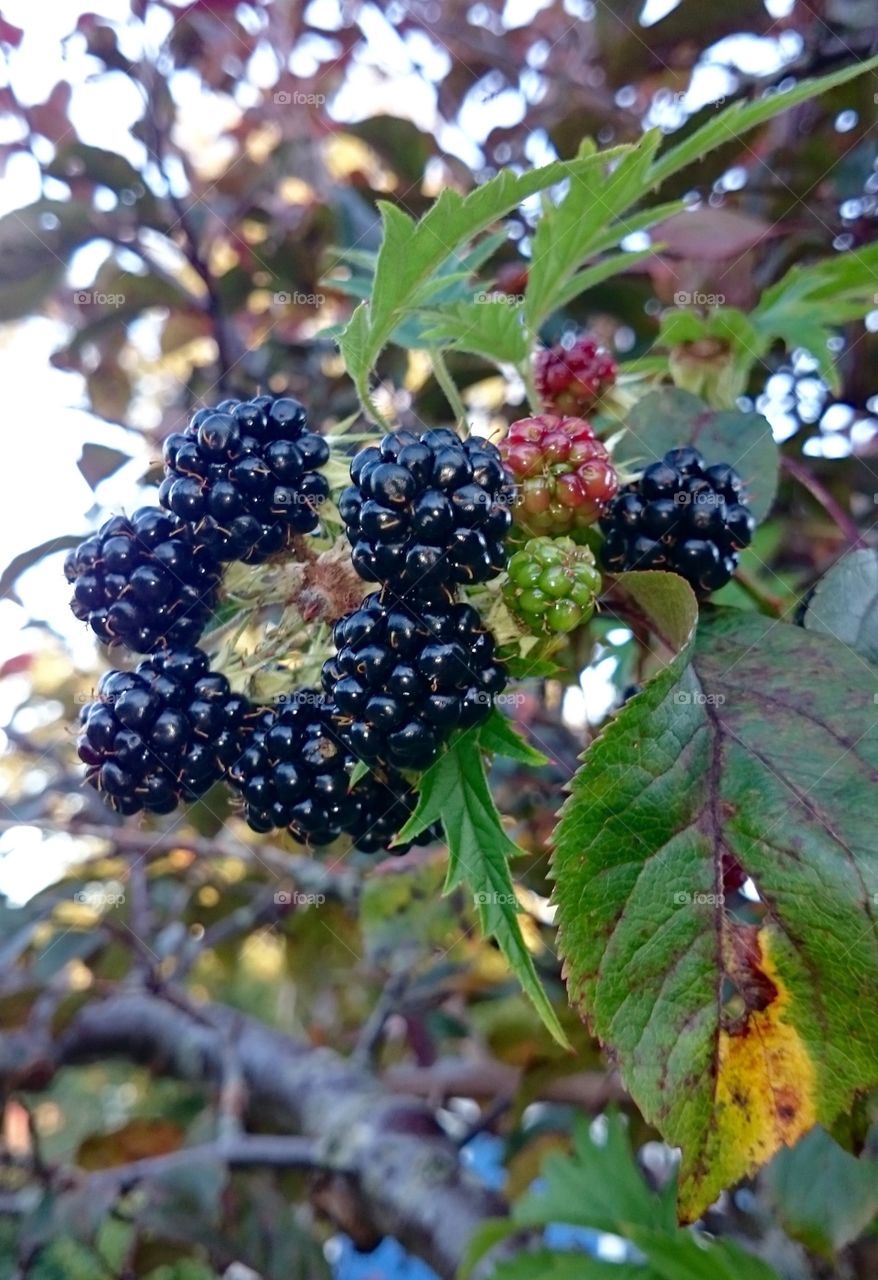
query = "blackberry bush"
x=564 y=475
x=294 y=769
x=571 y=380
x=161 y=733
x=247 y=476
x=427 y=511
x=552 y=584
x=682 y=515
x=402 y=679
x=145 y=582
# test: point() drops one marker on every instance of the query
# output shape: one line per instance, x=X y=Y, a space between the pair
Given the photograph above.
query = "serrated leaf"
x=598 y=1185
x=455 y=791
x=824 y=1196
x=741 y=117
x=762 y=755
x=544 y=1265
x=845 y=603
x=498 y=737
x=491 y=328
x=669 y=417
x=685 y=1256
x=806 y=306
x=412 y=252
x=567 y=233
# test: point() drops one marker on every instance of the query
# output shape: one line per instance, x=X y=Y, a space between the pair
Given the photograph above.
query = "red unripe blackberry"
x=246 y=476
x=571 y=380
x=428 y=511
x=680 y=515
x=406 y=675
x=161 y=733
x=145 y=582
x=563 y=473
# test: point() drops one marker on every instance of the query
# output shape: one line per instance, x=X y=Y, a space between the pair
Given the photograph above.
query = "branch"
x=818 y=491
x=396 y=1172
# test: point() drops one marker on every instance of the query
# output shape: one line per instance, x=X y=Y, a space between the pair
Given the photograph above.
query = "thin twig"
x=372 y=1032
x=806 y=478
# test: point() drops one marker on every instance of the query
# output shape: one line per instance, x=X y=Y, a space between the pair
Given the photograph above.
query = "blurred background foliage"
x=183 y=186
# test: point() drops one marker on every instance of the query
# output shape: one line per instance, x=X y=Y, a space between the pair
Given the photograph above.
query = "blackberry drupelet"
x=681 y=515
x=405 y=676
x=552 y=584
x=427 y=511
x=571 y=380
x=246 y=476
x=293 y=772
x=564 y=475
x=380 y=808
x=145 y=582
x=161 y=733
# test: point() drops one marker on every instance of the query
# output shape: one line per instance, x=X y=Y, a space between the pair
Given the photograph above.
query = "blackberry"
x=246 y=475
x=427 y=511
x=380 y=808
x=571 y=380
x=681 y=515
x=564 y=474
x=145 y=582
x=552 y=584
x=405 y=676
x=293 y=772
x=161 y=733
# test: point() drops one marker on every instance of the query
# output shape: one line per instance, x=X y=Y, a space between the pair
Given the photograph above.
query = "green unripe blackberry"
x=552 y=585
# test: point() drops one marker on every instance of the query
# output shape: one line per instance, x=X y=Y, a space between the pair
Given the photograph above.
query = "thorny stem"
x=449 y=388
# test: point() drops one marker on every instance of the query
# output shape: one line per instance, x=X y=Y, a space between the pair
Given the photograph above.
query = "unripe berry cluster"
x=564 y=475
x=552 y=584
x=572 y=380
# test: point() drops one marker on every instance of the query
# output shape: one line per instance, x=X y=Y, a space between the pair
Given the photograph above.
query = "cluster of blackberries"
x=144 y=582
x=426 y=511
x=406 y=675
x=379 y=807
x=246 y=474
x=681 y=515
x=161 y=733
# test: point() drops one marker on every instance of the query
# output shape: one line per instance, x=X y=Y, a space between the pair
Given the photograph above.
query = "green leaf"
x=567 y=233
x=845 y=603
x=663 y=604
x=598 y=1185
x=412 y=252
x=455 y=791
x=741 y=117
x=686 y=1256
x=668 y=417
x=824 y=1196
x=498 y=737
x=806 y=306
x=491 y=328
x=760 y=758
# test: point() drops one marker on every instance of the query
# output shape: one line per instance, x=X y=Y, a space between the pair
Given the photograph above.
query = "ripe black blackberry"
x=293 y=772
x=428 y=511
x=246 y=475
x=145 y=582
x=161 y=733
x=405 y=675
x=681 y=515
x=380 y=808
